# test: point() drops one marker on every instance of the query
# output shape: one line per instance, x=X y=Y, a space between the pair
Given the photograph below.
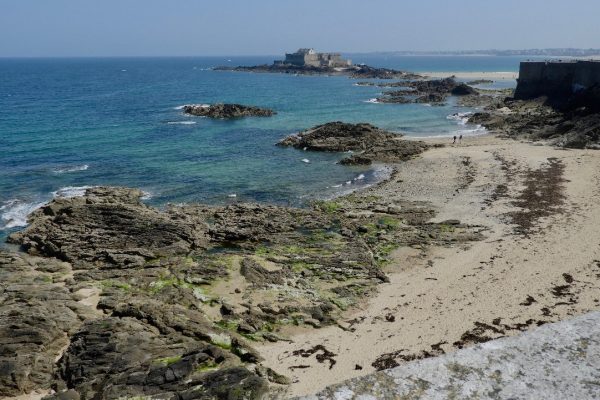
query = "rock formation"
x=226 y=111
x=432 y=92
x=190 y=281
x=369 y=142
x=356 y=71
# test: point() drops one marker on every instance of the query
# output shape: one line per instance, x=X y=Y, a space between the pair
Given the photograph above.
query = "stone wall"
x=556 y=79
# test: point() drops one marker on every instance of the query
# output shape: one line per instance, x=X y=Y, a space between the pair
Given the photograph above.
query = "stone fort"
x=310 y=58
x=556 y=78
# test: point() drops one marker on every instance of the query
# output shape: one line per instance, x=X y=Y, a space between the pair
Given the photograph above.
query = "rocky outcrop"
x=338 y=136
x=38 y=313
x=108 y=227
x=197 y=285
x=371 y=143
x=226 y=111
x=573 y=124
x=463 y=90
x=434 y=92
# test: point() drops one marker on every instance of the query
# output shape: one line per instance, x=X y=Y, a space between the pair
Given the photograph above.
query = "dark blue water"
x=66 y=124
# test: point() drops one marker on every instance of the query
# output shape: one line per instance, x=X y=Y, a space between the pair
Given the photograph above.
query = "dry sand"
x=544 y=269
x=494 y=76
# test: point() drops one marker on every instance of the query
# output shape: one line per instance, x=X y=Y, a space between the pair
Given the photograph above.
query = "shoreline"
x=427 y=296
x=438 y=296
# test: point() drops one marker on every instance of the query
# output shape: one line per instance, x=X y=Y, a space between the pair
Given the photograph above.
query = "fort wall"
x=556 y=78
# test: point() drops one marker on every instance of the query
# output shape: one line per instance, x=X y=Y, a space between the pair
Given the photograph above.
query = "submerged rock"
x=226 y=111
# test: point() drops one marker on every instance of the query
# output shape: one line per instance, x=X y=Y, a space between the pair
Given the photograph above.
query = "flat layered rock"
x=226 y=111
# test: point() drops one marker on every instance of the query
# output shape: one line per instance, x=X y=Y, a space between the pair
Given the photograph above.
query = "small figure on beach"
x=454 y=141
x=460 y=139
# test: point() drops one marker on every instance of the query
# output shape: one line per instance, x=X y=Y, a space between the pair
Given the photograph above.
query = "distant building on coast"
x=310 y=58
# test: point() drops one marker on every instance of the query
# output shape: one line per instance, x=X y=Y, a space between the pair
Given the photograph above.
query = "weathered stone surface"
x=576 y=125
x=433 y=91
x=165 y=303
x=373 y=143
x=37 y=315
x=555 y=361
x=338 y=136
x=226 y=111
x=109 y=226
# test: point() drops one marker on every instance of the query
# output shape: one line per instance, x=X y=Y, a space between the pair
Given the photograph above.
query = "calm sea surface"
x=66 y=124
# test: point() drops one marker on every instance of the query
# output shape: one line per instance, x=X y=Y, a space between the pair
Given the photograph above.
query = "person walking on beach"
x=454 y=141
x=460 y=139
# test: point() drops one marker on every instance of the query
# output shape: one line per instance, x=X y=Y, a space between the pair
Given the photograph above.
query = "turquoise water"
x=70 y=123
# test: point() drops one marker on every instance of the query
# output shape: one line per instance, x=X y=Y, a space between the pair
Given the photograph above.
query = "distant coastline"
x=558 y=52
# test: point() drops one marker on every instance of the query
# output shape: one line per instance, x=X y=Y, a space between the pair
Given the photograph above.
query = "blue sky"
x=268 y=27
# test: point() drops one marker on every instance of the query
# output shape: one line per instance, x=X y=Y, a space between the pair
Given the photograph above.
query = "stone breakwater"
x=198 y=285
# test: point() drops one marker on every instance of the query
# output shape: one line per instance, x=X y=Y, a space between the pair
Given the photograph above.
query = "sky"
x=58 y=28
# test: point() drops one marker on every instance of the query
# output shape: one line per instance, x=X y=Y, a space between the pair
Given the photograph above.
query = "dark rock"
x=338 y=136
x=373 y=143
x=463 y=90
x=356 y=71
x=259 y=275
x=108 y=226
x=226 y=111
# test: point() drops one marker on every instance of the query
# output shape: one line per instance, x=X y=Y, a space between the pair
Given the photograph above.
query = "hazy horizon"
x=68 y=28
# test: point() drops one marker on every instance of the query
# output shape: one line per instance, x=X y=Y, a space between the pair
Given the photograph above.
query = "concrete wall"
x=556 y=79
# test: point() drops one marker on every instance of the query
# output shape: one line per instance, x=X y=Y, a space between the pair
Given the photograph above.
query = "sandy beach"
x=538 y=262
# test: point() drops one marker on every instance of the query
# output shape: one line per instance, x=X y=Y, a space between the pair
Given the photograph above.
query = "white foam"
x=14 y=212
x=373 y=101
x=232 y=195
x=360 y=177
x=76 y=168
x=179 y=107
x=337 y=186
x=146 y=195
x=71 y=191
x=181 y=122
x=305 y=160
x=460 y=118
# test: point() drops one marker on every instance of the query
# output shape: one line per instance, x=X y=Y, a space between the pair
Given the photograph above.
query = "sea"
x=67 y=124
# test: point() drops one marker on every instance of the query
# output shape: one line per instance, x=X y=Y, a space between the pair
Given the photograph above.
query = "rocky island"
x=226 y=111
x=309 y=62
